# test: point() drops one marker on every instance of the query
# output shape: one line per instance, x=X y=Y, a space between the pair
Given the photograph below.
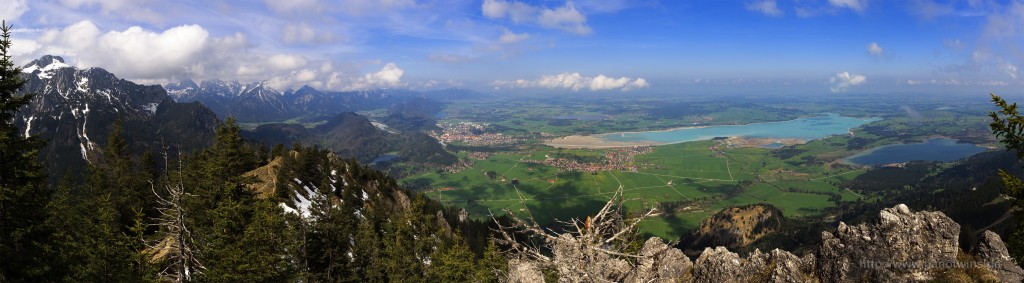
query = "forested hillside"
x=197 y=217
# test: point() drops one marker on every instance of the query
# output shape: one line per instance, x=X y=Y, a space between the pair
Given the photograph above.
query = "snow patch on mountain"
x=28 y=125
x=151 y=107
x=47 y=72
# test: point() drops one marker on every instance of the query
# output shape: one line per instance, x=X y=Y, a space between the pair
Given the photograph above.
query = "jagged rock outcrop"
x=992 y=252
x=720 y=265
x=901 y=246
x=661 y=264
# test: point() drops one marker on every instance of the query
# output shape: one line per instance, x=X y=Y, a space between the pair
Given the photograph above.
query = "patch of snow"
x=151 y=107
x=47 y=72
x=287 y=209
x=365 y=195
x=83 y=85
x=334 y=172
x=28 y=125
x=297 y=181
x=106 y=93
x=303 y=203
x=85 y=154
x=30 y=69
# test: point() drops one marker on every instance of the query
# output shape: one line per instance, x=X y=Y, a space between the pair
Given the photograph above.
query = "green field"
x=701 y=179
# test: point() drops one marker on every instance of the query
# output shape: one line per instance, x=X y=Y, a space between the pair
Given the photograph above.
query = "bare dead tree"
x=591 y=250
x=180 y=254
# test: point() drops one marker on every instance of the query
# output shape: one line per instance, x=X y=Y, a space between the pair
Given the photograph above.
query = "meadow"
x=700 y=180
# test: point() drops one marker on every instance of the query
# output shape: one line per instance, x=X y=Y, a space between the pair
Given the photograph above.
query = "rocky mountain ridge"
x=75 y=109
x=901 y=246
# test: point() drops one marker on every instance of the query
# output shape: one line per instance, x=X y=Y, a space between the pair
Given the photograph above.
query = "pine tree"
x=327 y=237
x=1009 y=128
x=452 y=263
x=492 y=266
x=23 y=192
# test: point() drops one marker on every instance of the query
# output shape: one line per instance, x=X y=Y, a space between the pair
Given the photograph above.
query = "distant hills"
x=352 y=135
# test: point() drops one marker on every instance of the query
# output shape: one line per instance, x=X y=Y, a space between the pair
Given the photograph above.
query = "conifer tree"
x=23 y=191
x=1008 y=126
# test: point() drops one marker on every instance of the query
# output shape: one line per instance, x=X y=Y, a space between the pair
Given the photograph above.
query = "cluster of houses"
x=472 y=134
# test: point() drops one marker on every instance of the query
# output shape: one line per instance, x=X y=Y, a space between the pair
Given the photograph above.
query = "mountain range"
x=257 y=103
x=75 y=109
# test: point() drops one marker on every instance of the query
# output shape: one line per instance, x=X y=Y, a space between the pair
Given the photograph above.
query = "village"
x=615 y=159
x=470 y=133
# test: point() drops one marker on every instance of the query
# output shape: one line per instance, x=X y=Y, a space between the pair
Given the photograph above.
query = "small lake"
x=384 y=158
x=803 y=128
x=940 y=149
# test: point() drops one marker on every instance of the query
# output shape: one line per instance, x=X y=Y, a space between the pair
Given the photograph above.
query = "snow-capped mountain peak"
x=45 y=66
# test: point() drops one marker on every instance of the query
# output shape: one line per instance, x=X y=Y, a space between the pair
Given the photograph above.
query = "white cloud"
x=576 y=82
x=566 y=17
x=135 y=53
x=875 y=49
x=856 y=5
x=13 y=9
x=389 y=76
x=282 y=62
x=841 y=81
x=189 y=51
x=1010 y=70
x=767 y=7
x=509 y=37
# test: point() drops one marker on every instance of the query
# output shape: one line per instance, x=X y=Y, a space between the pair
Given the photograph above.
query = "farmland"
x=696 y=180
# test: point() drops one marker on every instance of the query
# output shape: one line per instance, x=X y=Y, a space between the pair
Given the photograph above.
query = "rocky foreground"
x=902 y=246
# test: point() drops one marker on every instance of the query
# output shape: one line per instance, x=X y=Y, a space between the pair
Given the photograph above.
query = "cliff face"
x=902 y=246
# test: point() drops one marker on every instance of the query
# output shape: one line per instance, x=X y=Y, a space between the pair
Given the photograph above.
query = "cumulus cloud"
x=875 y=49
x=13 y=9
x=389 y=76
x=189 y=51
x=134 y=52
x=856 y=5
x=509 y=37
x=767 y=7
x=576 y=82
x=283 y=62
x=566 y=17
x=841 y=81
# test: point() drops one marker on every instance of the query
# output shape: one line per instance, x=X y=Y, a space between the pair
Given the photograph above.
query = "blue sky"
x=556 y=46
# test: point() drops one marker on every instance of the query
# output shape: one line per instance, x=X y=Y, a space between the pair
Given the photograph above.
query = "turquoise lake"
x=803 y=128
x=944 y=150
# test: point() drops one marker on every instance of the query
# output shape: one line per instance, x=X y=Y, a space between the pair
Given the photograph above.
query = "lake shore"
x=593 y=142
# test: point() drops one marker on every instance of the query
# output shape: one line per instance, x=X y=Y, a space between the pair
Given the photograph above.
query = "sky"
x=827 y=47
